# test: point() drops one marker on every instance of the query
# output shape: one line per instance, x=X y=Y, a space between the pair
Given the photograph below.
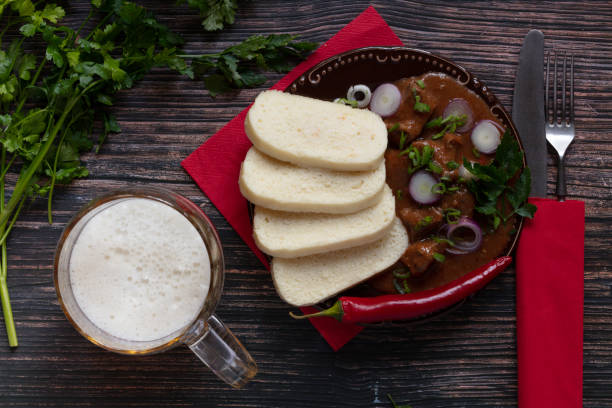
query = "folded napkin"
x=215 y=165
x=549 y=304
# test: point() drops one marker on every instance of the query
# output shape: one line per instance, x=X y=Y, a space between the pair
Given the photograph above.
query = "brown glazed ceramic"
x=373 y=66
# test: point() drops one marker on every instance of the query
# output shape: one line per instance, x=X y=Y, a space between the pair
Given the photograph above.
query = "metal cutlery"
x=559 y=127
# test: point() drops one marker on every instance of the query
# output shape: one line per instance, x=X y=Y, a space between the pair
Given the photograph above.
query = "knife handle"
x=561 y=180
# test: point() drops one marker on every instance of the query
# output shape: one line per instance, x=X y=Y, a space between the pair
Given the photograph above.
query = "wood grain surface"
x=464 y=359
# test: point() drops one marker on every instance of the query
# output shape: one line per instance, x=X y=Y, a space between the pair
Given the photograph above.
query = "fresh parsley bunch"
x=501 y=188
x=48 y=103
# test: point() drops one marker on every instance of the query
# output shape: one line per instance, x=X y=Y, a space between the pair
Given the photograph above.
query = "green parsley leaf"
x=499 y=193
x=216 y=13
x=526 y=210
x=420 y=83
x=28 y=30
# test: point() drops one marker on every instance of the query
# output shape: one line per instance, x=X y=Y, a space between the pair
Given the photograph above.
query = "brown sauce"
x=426 y=272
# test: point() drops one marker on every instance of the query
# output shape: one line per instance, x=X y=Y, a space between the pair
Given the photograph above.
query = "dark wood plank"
x=466 y=358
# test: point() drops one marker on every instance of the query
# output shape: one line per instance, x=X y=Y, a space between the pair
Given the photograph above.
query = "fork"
x=560 y=129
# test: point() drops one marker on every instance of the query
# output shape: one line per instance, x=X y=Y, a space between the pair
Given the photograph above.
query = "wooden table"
x=467 y=358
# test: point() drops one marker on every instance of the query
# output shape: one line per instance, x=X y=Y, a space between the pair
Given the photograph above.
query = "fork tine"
x=563 y=107
x=546 y=105
x=555 y=92
x=571 y=113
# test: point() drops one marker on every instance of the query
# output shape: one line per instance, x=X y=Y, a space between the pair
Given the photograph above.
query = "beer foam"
x=140 y=270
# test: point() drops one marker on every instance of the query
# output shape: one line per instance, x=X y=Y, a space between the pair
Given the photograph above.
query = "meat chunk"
x=445 y=150
x=461 y=200
x=419 y=256
x=397 y=167
x=420 y=221
x=409 y=120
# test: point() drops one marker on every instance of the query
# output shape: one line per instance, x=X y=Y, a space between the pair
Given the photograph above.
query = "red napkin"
x=549 y=303
x=215 y=165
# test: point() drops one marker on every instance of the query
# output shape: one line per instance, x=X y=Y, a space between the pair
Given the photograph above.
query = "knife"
x=528 y=108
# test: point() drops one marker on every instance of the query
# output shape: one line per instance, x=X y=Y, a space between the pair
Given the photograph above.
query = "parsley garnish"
x=495 y=196
x=449 y=124
x=475 y=152
x=418 y=105
x=398 y=194
x=420 y=83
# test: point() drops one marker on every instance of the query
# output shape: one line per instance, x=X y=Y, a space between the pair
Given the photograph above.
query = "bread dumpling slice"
x=289 y=235
x=312 y=279
x=313 y=133
x=283 y=186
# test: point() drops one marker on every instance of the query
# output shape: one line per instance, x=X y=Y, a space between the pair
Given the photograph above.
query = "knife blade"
x=528 y=108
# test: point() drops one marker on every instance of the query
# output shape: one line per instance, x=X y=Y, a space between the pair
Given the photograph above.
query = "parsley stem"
x=196 y=56
x=83 y=23
x=104 y=20
x=57 y=153
x=10 y=227
x=5 y=299
x=32 y=82
x=4 y=171
x=25 y=179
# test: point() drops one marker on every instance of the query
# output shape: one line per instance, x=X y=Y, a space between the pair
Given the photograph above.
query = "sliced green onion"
x=401 y=273
x=452 y=165
x=452 y=215
x=439 y=188
x=439 y=257
x=397 y=286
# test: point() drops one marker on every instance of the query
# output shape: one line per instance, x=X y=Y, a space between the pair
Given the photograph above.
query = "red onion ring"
x=420 y=187
x=458 y=107
x=484 y=138
x=386 y=100
x=464 y=247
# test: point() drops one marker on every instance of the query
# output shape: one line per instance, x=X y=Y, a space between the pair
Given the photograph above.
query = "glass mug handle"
x=223 y=353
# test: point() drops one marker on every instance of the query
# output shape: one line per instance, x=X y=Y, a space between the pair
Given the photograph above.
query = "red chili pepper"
x=408 y=306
